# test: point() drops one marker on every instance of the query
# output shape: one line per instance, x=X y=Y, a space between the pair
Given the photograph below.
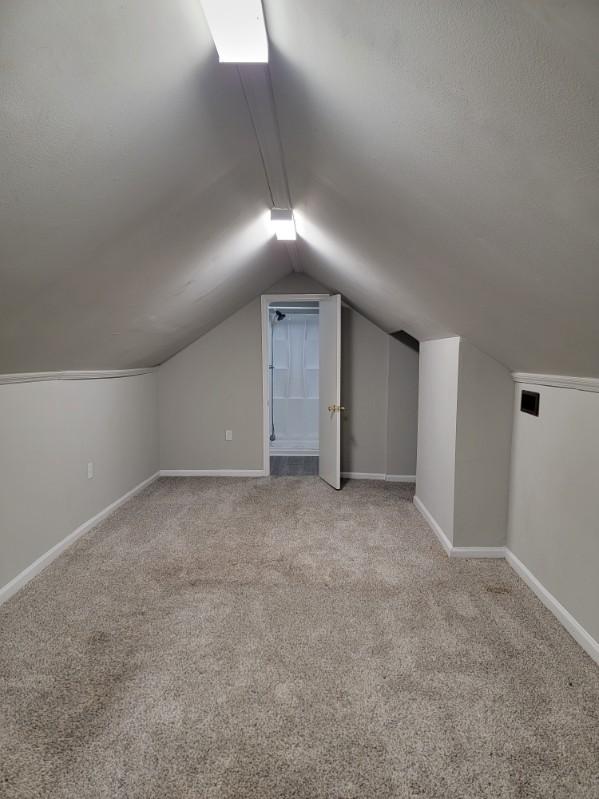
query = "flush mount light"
x=238 y=30
x=283 y=224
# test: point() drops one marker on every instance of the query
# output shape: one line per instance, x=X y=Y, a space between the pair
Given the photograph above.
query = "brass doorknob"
x=338 y=408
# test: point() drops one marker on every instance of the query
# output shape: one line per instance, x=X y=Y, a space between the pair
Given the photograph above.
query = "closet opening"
x=291 y=359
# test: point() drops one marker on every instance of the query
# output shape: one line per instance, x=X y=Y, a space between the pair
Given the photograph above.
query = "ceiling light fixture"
x=283 y=224
x=238 y=30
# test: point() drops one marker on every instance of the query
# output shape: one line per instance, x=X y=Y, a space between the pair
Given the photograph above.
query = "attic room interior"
x=299 y=399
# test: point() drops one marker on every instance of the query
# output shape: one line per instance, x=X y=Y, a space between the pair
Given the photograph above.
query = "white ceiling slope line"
x=558 y=381
x=259 y=97
x=94 y=374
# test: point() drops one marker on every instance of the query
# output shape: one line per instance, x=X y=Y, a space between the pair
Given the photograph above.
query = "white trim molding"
x=434 y=525
x=558 y=381
x=450 y=550
x=44 y=560
x=362 y=476
x=97 y=374
x=477 y=552
x=576 y=630
x=294 y=453
x=265 y=301
x=212 y=473
x=390 y=478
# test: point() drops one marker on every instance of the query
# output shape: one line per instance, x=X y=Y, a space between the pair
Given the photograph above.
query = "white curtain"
x=295 y=375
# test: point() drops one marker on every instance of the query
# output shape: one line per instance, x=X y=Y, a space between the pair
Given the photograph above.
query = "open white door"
x=329 y=390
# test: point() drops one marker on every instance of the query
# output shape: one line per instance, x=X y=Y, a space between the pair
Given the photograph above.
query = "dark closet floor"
x=293 y=465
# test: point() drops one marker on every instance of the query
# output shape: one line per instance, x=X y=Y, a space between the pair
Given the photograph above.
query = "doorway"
x=294 y=386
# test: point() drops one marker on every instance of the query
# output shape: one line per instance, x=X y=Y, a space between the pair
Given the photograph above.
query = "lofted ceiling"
x=442 y=159
x=134 y=209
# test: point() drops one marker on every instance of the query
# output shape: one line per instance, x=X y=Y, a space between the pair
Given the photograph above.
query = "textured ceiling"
x=134 y=209
x=443 y=159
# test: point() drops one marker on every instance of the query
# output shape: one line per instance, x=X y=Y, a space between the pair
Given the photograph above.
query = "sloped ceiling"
x=443 y=160
x=134 y=208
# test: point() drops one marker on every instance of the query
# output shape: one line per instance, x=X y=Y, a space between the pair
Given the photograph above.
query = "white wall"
x=364 y=354
x=554 y=497
x=215 y=384
x=379 y=377
x=437 y=419
x=48 y=433
x=483 y=444
x=464 y=440
x=402 y=408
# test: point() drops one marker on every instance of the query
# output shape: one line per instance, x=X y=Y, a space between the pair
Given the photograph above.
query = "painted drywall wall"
x=402 y=408
x=364 y=364
x=464 y=442
x=49 y=432
x=554 y=502
x=437 y=419
x=483 y=445
x=215 y=385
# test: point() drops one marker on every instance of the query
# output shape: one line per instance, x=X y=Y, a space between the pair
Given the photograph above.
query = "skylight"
x=238 y=30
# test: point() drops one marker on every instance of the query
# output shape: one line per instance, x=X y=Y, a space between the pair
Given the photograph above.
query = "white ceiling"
x=134 y=205
x=443 y=159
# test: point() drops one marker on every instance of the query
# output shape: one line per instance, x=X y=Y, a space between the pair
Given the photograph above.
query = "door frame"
x=265 y=301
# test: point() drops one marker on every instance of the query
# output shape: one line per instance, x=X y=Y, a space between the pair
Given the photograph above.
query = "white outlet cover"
x=228 y=435
x=90 y=470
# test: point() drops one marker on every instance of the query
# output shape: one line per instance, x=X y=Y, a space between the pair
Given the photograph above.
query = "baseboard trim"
x=362 y=476
x=456 y=552
x=44 y=560
x=212 y=472
x=477 y=552
x=294 y=453
x=391 y=478
x=434 y=525
x=566 y=619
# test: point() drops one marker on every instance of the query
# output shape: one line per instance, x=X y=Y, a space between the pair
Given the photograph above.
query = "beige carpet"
x=273 y=638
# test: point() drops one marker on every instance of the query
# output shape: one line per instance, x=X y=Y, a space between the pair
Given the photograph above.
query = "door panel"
x=329 y=433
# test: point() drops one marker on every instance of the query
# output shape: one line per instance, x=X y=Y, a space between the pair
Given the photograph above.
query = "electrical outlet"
x=228 y=435
x=90 y=470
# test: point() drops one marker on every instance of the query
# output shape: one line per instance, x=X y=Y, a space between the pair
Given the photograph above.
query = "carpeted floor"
x=274 y=638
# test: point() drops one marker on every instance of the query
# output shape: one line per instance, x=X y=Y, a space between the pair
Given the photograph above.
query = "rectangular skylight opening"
x=238 y=30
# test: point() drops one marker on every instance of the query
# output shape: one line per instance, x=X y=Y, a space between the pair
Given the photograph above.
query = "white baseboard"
x=456 y=552
x=576 y=630
x=294 y=453
x=362 y=476
x=477 y=552
x=44 y=560
x=212 y=472
x=391 y=478
x=434 y=525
